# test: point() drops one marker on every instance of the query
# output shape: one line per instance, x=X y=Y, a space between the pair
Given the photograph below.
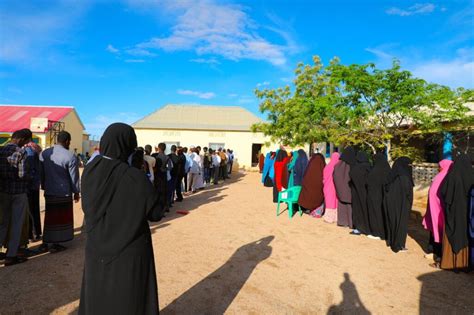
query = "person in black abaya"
x=454 y=192
x=398 y=200
x=341 y=180
x=117 y=199
x=358 y=183
x=375 y=181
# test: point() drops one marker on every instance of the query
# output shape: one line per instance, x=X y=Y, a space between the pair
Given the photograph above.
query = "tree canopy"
x=360 y=105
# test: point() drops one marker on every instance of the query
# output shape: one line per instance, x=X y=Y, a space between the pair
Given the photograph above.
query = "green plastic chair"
x=290 y=197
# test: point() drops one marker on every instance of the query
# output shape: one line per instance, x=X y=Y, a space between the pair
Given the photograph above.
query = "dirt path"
x=232 y=254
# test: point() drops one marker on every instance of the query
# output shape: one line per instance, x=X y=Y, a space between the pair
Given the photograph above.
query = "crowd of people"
x=375 y=199
x=24 y=169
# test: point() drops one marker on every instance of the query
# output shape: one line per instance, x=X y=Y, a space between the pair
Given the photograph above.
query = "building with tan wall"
x=207 y=126
x=44 y=121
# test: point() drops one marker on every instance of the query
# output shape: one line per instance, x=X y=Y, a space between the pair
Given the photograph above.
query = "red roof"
x=14 y=117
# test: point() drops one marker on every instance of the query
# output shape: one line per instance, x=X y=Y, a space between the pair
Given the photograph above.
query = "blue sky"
x=120 y=60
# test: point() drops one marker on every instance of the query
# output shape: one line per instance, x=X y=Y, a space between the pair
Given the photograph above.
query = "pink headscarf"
x=330 y=198
x=434 y=217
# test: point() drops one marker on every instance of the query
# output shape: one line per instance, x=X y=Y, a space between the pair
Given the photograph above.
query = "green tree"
x=361 y=105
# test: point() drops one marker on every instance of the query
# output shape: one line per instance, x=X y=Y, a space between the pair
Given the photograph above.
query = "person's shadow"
x=351 y=303
x=215 y=293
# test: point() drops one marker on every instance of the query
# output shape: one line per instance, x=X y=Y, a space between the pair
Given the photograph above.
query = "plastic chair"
x=290 y=197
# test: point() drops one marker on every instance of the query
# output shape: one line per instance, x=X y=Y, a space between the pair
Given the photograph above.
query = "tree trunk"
x=388 y=146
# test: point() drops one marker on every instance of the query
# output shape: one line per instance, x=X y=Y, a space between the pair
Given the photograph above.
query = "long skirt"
x=451 y=260
x=344 y=214
x=58 y=220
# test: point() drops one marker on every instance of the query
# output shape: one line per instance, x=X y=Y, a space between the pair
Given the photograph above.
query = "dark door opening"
x=256 y=148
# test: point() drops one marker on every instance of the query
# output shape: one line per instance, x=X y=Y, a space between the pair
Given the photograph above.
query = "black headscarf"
x=349 y=156
x=455 y=194
x=118 y=142
x=116 y=197
x=401 y=167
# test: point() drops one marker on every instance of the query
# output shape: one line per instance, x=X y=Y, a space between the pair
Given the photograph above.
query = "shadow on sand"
x=445 y=292
x=351 y=303
x=215 y=293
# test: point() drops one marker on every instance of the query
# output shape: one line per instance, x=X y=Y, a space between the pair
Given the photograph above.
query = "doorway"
x=256 y=148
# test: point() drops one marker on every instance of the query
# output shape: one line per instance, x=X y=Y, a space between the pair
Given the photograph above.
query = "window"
x=216 y=146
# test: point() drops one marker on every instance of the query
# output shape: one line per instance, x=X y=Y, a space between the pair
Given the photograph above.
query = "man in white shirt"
x=151 y=161
x=194 y=171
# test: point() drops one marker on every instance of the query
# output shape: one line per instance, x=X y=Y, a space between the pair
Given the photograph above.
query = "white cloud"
x=140 y=52
x=457 y=71
x=232 y=95
x=203 y=95
x=215 y=28
x=134 y=60
x=286 y=79
x=418 y=8
x=265 y=83
x=14 y=90
x=112 y=49
x=210 y=61
x=246 y=100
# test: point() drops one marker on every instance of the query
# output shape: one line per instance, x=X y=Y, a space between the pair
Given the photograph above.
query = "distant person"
x=151 y=162
x=261 y=161
x=161 y=175
x=60 y=182
x=343 y=190
x=216 y=164
x=180 y=175
x=330 y=198
x=207 y=162
x=455 y=193
x=86 y=158
x=13 y=194
x=311 y=197
x=223 y=168
x=433 y=220
x=33 y=151
x=398 y=200
x=200 y=184
x=230 y=158
x=119 y=270
x=358 y=175
x=187 y=167
x=194 y=171
x=281 y=173
x=174 y=158
x=375 y=191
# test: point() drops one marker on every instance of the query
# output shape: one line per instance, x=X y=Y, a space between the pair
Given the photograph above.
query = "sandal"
x=435 y=265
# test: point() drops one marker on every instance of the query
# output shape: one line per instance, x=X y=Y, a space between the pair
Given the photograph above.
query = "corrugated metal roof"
x=15 y=117
x=199 y=117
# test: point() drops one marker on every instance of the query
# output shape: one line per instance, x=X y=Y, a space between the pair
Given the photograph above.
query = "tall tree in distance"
x=380 y=109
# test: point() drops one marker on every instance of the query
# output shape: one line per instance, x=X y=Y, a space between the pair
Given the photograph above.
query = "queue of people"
x=24 y=169
x=375 y=199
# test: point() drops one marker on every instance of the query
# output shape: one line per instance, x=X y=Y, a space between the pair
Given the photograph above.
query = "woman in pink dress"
x=330 y=198
x=434 y=217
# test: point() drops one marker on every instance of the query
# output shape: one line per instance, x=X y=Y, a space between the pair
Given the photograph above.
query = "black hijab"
x=401 y=167
x=349 y=156
x=375 y=181
x=455 y=194
x=116 y=197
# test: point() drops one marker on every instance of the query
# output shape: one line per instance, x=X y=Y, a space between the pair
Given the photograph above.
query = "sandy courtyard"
x=232 y=254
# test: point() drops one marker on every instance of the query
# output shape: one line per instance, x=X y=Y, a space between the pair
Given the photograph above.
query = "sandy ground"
x=232 y=254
